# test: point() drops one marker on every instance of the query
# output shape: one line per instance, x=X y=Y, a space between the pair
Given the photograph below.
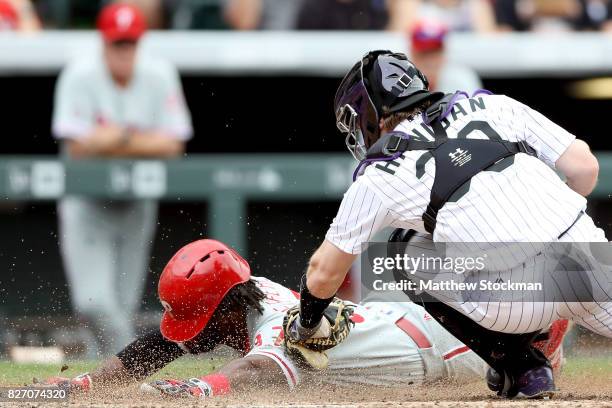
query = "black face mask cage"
x=348 y=123
x=355 y=108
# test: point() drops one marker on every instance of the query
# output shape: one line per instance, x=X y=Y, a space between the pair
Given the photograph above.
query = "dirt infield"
x=586 y=392
x=586 y=382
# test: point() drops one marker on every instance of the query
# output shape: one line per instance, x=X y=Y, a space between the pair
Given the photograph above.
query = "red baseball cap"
x=120 y=21
x=428 y=36
x=9 y=19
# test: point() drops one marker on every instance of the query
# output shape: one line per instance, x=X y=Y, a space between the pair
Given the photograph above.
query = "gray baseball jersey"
x=390 y=344
x=87 y=96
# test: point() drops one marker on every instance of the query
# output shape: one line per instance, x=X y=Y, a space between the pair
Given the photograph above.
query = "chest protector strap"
x=456 y=160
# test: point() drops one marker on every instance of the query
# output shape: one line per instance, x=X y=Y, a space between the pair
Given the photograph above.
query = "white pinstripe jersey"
x=390 y=344
x=525 y=202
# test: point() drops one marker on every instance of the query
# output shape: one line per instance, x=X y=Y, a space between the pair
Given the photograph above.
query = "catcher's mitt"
x=311 y=351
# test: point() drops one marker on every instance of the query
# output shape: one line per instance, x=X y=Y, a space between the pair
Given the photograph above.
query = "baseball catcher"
x=210 y=298
x=465 y=168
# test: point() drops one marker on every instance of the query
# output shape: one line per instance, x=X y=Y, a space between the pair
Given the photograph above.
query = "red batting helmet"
x=194 y=283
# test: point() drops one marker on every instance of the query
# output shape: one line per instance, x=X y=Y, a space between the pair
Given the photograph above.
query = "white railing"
x=317 y=53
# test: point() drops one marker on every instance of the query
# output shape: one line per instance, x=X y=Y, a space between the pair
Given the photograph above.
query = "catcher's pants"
x=527 y=317
x=105 y=248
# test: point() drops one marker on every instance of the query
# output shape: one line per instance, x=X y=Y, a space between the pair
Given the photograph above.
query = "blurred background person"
x=553 y=15
x=428 y=52
x=353 y=15
x=195 y=14
x=18 y=15
x=262 y=14
x=457 y=15
x=68 y=14
x=117 y=103
x=81 y=14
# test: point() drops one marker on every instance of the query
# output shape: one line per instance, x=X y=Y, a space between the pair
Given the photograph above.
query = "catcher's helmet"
x=193 y=284
x=381 y=83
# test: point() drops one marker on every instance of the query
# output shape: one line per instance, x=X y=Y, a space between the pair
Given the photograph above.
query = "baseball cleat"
x=537 y=383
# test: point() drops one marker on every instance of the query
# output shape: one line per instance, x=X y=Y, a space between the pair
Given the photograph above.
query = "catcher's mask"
x=380 y=84
x=193 y=284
